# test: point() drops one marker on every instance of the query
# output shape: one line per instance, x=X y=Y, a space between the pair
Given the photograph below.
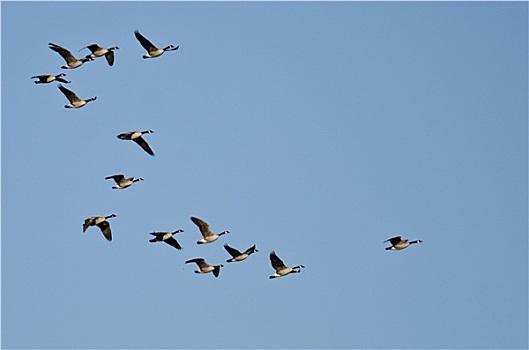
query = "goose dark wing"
x=147 y=45
x=67 y=55
x=105 y=228
x=116 y=178
x=232 y=251
x=393 y=240
x=199 y=261
x=158 y=234
x=110 y=57
x=40 y=76
x=276 y=262
x=143 y=144
x=216 y=271
x=92 y=47
x=126 y=135
x=87 y=223
x=70 y=95
x=173 y=243
x=251 y=249
x=203 y=226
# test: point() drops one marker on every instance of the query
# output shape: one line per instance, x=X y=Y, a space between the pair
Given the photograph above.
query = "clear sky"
x=317 y=130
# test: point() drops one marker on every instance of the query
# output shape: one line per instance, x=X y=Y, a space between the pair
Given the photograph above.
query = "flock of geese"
x=122 y=182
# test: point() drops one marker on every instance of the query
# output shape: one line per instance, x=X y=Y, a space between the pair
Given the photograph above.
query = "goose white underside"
x=72 y=65
x=282 y=274
x=78 y=104
x=154 y=54
x=206 y=270
x=210 y=239
x=286 y=271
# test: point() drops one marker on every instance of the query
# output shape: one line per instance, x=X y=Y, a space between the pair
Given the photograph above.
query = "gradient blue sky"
x=317 y=130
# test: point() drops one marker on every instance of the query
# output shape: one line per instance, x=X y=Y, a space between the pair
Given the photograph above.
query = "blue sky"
x=314 y=129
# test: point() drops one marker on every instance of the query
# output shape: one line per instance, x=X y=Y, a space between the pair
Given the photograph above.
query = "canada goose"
x=122 y=182
x=166 y=237
x=237 y=255
x=71 y=61
x=398 y=244
x=102 y=223
x=75 y=102
x=152 y=51
x=206 y=232
x=136 y=137
x=98 y=51
x=204 y=267
x=281 y=269
x=46 y=78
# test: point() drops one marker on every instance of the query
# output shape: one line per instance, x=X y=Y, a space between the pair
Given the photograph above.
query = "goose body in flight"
x=237 y=255
x=397 y=243
x=47 y=78
x=136 y=136
x=102 y=223
x=281 y=268
x=75 y=102
x=123 y=182
x=208 y=236
x=204 y=267
x=166 y=237
x=98 y=51
x=71 y=61
x=152 y=51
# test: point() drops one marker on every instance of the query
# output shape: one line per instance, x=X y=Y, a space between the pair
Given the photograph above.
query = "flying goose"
x=237 y=255
x=166 y=237
x=47 y=78
x=122 y=182
x=75 y=102
x=206 y=232
x=98 y=51
x=398 y=244
x=281 y=269
x=102 y=223
x=152 y=51
x=204 y=267
x=136 y=137
x=71 y=61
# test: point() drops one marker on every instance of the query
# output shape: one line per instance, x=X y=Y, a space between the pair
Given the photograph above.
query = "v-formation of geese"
x=122 y=182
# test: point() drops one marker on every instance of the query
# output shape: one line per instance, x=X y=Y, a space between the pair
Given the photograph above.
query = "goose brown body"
x=207 y=234
x=47 y=78
x=136 y=136
x=237 y=255
x=167 y=237
x=98 y=51
x=397 y=243
x=102 y=223
x=204 y=267
x=71 y=61
x=122 y=182
x=281 y=268
x=75 y=102
x=152 y=51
